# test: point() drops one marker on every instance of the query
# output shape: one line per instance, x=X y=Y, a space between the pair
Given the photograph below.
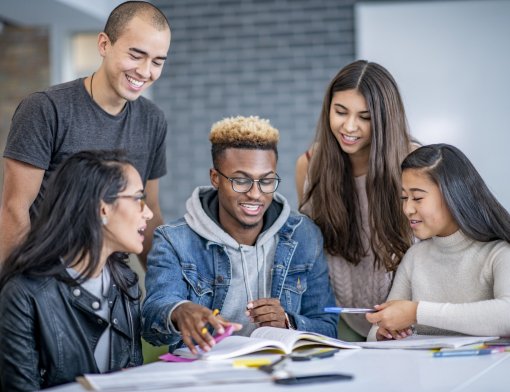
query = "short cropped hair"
x=251 y=133
x=123 y=13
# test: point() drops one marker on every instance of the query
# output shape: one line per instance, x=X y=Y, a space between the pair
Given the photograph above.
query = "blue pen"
x=349 y=310
x=466 y=353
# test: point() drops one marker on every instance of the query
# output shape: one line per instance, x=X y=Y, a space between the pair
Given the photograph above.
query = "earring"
x=104 y=220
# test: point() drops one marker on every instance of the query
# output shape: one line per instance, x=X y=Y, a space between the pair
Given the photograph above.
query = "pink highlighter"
x=168 y=357
x=228 y=331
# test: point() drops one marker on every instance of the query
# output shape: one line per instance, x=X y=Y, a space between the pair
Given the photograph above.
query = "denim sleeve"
x=319 y=293
x=165 y=288
x=19 y=358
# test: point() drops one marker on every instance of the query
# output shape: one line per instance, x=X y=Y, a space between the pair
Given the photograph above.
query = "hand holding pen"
x=394 y=319
x=382 y=332
x=191 y=320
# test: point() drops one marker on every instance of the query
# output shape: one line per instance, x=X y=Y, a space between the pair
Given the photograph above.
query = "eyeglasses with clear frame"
x=244 y=184
x=139 y=197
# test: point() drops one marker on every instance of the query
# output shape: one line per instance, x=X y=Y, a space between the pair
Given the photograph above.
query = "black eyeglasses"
x=140 y=198
x=244 y=185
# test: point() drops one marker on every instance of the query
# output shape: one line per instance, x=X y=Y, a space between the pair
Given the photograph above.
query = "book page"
x=428 y=342
x=293 y=339
x=287 y=337
x=234 y=346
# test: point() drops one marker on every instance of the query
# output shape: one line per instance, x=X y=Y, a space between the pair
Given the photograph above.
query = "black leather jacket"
x=48 y=332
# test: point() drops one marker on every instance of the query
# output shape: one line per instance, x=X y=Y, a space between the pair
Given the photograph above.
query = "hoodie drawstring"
x=264 y=277
x=246 y=274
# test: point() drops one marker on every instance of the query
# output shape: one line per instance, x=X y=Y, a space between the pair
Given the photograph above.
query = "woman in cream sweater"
x=455 y=281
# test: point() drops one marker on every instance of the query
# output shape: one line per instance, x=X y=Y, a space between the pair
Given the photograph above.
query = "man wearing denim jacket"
x=239 y=249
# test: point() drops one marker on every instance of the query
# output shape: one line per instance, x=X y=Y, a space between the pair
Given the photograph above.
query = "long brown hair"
x=331 y=194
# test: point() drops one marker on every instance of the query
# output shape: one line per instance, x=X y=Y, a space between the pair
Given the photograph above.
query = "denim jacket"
x=185 y=266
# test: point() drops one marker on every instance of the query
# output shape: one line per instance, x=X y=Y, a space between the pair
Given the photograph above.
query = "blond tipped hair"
x=242 y=132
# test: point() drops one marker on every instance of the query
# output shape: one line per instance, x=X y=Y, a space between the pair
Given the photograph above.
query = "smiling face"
x=349 y=120
x=425 y=207
x=136 y=59
x=126 y=220
x=241 y=214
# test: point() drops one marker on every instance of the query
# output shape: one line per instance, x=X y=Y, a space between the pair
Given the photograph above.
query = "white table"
x=373 y=370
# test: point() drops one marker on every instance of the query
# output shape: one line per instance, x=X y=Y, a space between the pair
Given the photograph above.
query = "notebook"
x=428 y=342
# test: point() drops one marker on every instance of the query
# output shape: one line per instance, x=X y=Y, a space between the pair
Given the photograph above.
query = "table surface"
x=377 y=370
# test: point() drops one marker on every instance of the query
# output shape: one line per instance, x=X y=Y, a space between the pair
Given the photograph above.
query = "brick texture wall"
x=24 y=68
x=272 y=58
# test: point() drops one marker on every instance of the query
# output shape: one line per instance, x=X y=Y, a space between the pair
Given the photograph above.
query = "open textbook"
x=277 y=340
x=286 y=341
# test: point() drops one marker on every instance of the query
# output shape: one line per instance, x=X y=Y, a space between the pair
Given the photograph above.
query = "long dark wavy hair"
x=68 y=228
x=475 y=209
x=331 y=194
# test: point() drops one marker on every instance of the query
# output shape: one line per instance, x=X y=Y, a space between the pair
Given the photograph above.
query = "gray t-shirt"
x=48 y=126
x=100 y=287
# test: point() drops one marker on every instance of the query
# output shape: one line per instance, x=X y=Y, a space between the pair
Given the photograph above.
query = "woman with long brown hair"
x=349 y=184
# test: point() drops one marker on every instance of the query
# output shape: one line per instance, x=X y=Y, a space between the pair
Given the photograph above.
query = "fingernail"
x=247 y=313
x=249 y=305
x=221 y=330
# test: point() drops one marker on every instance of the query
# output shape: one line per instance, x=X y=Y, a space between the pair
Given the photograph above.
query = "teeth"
x=134 y=82
x=351 y=138
x=250 y=207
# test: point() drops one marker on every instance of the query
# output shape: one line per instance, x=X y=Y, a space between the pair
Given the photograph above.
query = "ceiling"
x=67 y=14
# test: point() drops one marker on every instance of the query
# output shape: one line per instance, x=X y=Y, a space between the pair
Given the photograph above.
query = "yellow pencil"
x=215 y=313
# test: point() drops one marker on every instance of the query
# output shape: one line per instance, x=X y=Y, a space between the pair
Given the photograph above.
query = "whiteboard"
x=451 y=60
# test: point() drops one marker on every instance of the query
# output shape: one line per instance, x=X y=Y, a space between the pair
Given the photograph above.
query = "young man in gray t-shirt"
x=102 y=111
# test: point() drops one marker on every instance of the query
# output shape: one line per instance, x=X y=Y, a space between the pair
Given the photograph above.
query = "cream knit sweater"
x=462 y=286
